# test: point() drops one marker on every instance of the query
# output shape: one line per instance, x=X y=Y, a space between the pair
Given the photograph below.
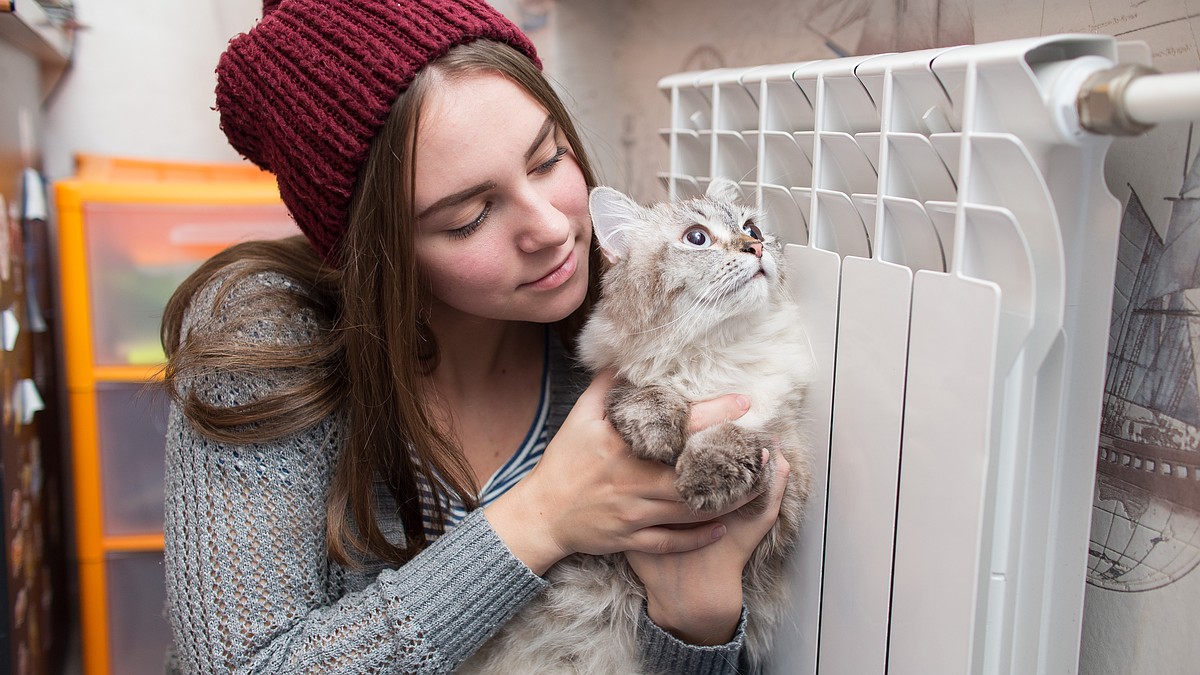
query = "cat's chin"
x=757 y=287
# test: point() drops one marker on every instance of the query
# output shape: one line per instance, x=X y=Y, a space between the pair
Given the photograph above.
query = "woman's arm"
x=693 y=621
x=590 y=482
x=588 y=494
x=250 y=587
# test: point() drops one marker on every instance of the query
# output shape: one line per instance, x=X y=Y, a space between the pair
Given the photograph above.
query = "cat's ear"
x=614 y=217
x=723 y=189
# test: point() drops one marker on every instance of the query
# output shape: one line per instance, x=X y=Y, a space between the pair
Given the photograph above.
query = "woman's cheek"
x=572 y=195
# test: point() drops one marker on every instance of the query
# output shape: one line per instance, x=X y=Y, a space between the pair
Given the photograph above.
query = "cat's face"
x=714 y=253
x=702 y=261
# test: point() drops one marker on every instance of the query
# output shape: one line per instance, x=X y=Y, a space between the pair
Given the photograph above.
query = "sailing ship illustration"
x=1146 y=513
x=874 y=27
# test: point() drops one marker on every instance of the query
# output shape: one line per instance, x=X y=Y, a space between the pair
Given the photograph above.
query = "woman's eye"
x=698 y=237
x=545 y=167
x=466 y=230
x=751 y=229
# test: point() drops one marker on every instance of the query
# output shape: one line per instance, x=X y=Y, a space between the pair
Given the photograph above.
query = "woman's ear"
x=614 y=218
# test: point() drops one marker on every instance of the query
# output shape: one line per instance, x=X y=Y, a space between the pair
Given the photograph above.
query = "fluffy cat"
x=692 y=307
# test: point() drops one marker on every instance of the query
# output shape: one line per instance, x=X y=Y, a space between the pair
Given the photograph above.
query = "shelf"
x=134 y=543
x=148 y=373
x=26 y=26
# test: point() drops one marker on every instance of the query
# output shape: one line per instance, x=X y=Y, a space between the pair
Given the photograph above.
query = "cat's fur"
x=678 y=323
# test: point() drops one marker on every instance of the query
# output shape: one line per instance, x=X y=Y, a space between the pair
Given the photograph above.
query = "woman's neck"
x=486 y=387
x=473 y=353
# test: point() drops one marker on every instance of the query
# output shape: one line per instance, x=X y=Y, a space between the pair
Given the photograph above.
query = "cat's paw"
x=654 y=441
x=652 y=420
x=721 y=465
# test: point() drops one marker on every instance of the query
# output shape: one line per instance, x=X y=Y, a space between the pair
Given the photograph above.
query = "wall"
x=20 y=121
x=142 y=81
x=1143 y=595
x=619 y=50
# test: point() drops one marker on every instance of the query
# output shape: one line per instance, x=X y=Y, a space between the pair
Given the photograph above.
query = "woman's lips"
x=557 y=277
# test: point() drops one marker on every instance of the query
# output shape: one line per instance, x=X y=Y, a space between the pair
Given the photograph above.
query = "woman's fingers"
x=665 y=505
x=661 y=540
x=707 y=413
x=592 y=399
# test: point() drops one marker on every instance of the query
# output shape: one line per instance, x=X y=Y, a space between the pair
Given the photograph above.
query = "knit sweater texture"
x=251 y=589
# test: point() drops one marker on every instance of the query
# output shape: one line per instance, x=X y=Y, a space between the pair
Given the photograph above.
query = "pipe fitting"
x=1101 y=101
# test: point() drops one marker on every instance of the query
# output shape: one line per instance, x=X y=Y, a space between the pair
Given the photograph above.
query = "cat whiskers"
x=710 y=293
x=696 y=306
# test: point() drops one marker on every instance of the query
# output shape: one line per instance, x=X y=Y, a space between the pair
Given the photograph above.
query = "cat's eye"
x=751 y=229
x=698 y=237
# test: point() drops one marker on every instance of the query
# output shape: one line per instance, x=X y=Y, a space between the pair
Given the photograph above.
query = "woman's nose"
x=545 y=226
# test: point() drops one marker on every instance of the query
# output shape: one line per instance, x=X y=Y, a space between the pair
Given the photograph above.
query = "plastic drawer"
x=137 y=254
x=132 y=426
x=139 y=633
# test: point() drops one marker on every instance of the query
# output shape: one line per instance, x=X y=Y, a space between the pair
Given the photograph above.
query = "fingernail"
x=743 y=403
x=766 y=456
x=718 y=531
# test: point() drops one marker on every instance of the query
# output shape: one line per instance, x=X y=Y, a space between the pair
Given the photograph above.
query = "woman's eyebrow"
x=475 y=190
x=547 y=127
x=457 y=198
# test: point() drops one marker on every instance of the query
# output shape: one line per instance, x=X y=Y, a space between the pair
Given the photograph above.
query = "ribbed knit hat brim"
x=303 y=93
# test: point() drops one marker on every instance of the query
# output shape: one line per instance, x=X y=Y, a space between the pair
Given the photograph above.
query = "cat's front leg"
x=653 y=420
x=721 y=464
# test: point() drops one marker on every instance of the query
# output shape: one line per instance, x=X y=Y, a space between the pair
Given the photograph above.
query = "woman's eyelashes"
x=466 y=230
x=545 y=167
x=541 y=169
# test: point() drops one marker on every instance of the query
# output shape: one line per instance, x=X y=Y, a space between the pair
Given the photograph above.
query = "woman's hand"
x=697 y=595
x=589 y=495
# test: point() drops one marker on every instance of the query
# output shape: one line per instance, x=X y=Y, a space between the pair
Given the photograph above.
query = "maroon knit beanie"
x=304 y=92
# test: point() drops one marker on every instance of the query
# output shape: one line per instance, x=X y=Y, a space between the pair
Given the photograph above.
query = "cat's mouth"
x=761 y=273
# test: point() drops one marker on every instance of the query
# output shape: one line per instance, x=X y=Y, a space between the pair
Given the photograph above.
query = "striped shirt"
x=513 y=470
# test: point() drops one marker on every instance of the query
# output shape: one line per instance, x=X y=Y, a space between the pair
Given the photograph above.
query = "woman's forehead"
x=478 y=106
x=471 y=128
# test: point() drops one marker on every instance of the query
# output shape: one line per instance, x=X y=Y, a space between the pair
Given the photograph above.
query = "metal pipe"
x=1130 y=99
x=1164 y=98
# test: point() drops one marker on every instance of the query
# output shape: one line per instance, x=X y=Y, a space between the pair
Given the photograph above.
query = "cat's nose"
x=754 y=247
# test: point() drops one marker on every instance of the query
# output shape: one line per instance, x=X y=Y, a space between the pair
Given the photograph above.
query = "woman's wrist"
x=706 y=621
x=521 y=526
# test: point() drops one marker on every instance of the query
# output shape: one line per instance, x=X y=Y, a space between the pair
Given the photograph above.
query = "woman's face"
x=502 y=219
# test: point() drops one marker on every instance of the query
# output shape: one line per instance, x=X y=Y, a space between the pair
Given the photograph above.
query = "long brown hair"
x=369 y=363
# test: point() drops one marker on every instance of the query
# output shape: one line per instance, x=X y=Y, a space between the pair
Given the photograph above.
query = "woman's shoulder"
x=261 y=291
x=238 y=333
x=256 y=307
x=255 y=357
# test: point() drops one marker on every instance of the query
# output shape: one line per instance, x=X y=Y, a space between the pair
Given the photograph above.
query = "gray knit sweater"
x=250 y=588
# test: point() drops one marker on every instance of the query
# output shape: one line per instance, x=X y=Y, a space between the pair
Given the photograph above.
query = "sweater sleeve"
x=250 y=587
x=666 y=654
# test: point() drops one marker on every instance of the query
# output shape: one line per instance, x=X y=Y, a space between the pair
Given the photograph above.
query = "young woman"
x=378 y=441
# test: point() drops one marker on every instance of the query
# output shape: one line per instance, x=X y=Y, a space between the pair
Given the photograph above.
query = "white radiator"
x=951 y=242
